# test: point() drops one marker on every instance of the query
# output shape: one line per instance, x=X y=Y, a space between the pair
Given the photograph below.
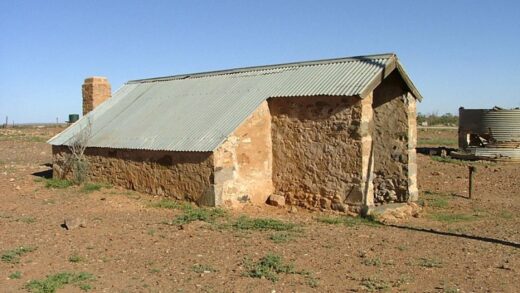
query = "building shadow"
x=459 y=235
x=46 y=174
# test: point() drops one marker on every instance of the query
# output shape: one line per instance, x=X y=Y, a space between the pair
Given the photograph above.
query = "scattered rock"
x=18 y=187
x=437 y=173
x=505 y=266
x=73 y=223
x=276 y=200
x=293 y=210
x=340 y=207
x=11 y=179
x=391 y=213
x=325 y=203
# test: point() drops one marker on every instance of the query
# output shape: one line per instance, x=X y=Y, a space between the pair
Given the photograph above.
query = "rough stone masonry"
x=318 y=152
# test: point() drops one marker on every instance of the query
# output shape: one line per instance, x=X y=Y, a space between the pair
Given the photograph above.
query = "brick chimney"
x=95 y=91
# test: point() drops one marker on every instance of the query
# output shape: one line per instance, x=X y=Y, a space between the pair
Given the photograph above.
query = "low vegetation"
x=166 y=203
x=58 y=183
x=54 y=282
x=13 y=256
x=15 y=275
x=201 y=268
x=435 y=199
x=282 y=237
x=430 y=263
x=262 y=224
x=375 y=262
x=191 y=214
x=90 y=186
x=373 y=284
x=75 y=258
x=268 y=267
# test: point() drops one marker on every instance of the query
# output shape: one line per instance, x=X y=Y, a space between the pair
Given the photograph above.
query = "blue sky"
x=458 y=53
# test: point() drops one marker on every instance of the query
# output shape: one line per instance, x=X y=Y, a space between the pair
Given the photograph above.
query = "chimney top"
x=95 y=90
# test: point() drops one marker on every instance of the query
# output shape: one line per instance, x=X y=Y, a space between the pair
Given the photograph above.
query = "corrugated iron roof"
x=196 y=112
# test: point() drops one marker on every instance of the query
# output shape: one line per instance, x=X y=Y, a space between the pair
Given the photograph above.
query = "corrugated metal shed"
x=196 y=112
x=501 y=127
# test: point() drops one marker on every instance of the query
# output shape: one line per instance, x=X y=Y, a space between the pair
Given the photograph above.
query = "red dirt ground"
x=128 y=246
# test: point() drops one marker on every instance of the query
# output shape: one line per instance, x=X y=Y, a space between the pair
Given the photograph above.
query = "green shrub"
x=268 y=267
x=90 y=186
x=13 y=256
x=192 y=214
x=15 y=275
x=166 y=203
x=58 y=183
x=262 y=224
x=374 y=284
x=75 y=258
x=57 y=281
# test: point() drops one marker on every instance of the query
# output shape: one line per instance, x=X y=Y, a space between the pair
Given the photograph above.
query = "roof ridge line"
x=262 y=67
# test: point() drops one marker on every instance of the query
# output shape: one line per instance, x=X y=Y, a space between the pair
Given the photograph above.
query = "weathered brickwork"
x=243 y=163
x=317 y=150
x=182 y=175
x=95 y=90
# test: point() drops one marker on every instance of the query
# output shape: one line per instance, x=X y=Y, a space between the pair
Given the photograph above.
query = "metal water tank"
x=73 y=118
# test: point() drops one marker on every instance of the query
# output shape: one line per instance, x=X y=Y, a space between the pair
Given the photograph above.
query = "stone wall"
x=182 y=175
x=243 y=163
x=317 y=150
x=394 y=140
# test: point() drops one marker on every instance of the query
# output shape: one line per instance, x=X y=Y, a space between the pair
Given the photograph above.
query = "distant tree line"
x=447 y=119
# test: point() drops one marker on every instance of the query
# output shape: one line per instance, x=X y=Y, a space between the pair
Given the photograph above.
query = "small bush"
x=246 y=223
x=58 y=183
x=268 y=267
x=90 y=187
x=75 y=258
x=15 y=275
x=192 y=214
x=57 y=281
x=166 y=203
x=282 y=237
x=374 y=284
x=371 y=262
x=13 y=256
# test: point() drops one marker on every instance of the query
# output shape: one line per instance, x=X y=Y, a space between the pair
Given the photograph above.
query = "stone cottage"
x=334 y=134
